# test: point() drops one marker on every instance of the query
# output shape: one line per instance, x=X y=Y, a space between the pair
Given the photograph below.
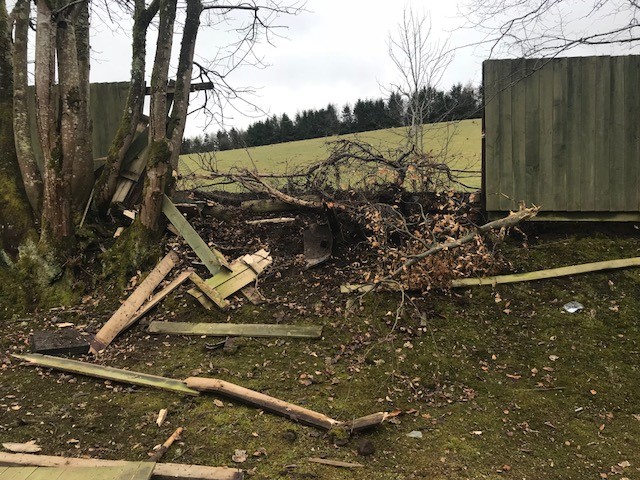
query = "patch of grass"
x=457 y=143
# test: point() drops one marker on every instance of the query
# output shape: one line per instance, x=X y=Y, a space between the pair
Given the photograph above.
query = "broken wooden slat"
x=121 y=318
x=108 y=373
x=128 y=471
x=549 y=273
x=260 y=400
x=263 y=221
x=208 y=291
x=166 y=471
x=211 y=258
x=158 y=297
x=356 y=288
x=334 y=463
x=236 y=330
x=253 y=295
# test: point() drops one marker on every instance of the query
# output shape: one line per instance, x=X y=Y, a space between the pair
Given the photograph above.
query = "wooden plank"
x=263 y=401
x=617 y=146
x=518 y=132
x=211 y=258
x=236 y=330
x=546 y=102
x=630 y=182
x=20 y=473
x=492 y=171
x=588 y=134
x=129 y=471
x=560 y=133
x=532 y=132
x=505 y=141
x=64 y=341
x=549 y=273
x=158 y=297
x=211 y=293
x=122 y=317
x=263 y=221
x=108 y=373
x=161 y=471
x=334 y=463
x=574 y=147
x=602 y=134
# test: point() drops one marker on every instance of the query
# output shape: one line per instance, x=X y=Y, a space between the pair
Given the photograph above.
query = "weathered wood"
x=367 y=422
x=272 y=205
x=236 y=330
x=549 y=273
x=121 y=318
x=158 y=297
x=212 y=294
x=266 y=402
x=161 y=471
x=128 y=471
x=263 y=221
x=211 y=258
x=334 y=463
x=108 y=373
x=65 y=341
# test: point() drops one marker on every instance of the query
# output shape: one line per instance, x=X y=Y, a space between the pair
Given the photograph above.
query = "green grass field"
x=457 y=143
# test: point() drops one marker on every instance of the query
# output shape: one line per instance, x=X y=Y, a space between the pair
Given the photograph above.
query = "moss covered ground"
x=500 y=382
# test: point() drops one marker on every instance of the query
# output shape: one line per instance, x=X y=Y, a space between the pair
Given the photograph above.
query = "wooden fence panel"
x=563 y=134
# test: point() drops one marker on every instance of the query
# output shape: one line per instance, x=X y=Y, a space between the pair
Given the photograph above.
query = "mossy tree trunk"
x=159 y=163
x=26 y=159
x=16 y=220
x=106 y=185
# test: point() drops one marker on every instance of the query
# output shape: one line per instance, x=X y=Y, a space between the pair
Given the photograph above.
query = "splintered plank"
x=213 y=295
x=158 y=297
x=334 y=463
x=129 y=471
x=108 y=373
x=236 y=330
x=122 y=317
x=211 y=258
x=160 y=470
x=549 y=273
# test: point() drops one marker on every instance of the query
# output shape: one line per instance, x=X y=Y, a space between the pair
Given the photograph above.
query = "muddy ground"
x=500 y=382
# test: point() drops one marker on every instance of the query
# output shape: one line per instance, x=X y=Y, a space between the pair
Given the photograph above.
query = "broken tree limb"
x=211 y=258
x=549 y=273
x=121 y=318
x=209 y=291
x=266 y=402
x=236 y=330
x=166 y=471
x=108 y=373
x=158 y=454
x=280 y=407
x=158 y=297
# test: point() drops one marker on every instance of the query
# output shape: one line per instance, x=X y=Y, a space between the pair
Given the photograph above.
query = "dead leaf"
x=28 y=447
x=624 y=464
x=218 y=403
x=553 y=358
x=239 y=456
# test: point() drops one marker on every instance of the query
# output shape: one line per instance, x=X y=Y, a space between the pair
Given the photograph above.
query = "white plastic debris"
x=572 y=307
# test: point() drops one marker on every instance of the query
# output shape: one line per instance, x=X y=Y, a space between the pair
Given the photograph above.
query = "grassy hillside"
x=458 y=143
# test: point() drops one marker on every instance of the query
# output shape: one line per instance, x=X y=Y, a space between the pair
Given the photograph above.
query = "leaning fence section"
x=563 y=134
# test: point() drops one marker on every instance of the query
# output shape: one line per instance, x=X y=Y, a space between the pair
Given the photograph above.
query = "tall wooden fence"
x=563 y=134
x=107 y=102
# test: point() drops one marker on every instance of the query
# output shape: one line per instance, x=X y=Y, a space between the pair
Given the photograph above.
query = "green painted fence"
x=563 y=134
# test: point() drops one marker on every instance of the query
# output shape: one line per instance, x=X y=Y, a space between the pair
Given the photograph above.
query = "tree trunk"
x=107 y=183
x=16 y=220
x=57 y=225
x=183 y=79
x=159 y=162
x=83 y=177
x=26 y=159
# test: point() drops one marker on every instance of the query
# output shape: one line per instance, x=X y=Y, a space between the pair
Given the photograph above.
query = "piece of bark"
x=161 y=471
x=66 y=341
x=263 y=401
x=549 y=273
x=335 y=463
x=122 y=317
x=237 y=330
x=158 y=454
x=108 y=373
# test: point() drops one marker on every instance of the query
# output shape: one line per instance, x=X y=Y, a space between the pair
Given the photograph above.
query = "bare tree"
x=420 y=64
x=548 y=28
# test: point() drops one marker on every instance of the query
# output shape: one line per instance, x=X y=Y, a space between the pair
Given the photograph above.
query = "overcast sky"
x=333 y=52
